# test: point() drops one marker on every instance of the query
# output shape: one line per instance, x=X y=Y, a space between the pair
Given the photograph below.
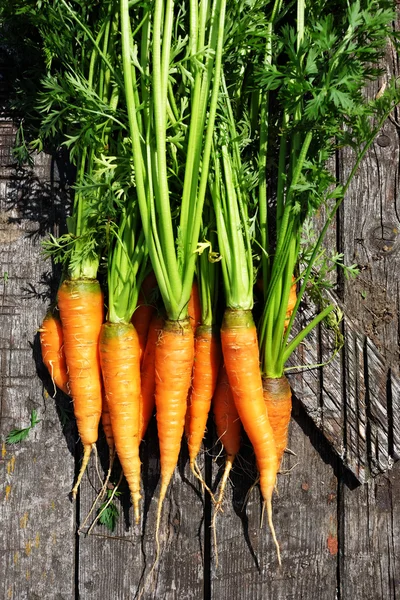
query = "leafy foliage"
x=19 y=435
x=108 y=513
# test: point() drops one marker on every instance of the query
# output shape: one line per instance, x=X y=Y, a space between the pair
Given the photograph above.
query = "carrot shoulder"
x=81 y=311
x=120 y=365
x=52 y=344
x=241 y=356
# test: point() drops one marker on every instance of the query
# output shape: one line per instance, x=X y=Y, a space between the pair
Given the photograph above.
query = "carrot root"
x=102 y=492
x=207 y=359
x=278 y=401
x=194 y=467
x=87 y=450
x=173 y=368
x=218 y=504
x=147 y=375
x=268 y=504
x=51 y=342
x=241 y=356
x=119 y=356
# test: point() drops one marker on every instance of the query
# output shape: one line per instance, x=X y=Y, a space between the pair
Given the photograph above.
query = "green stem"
x=161 y=51
x=218 y=18
x=300 y=336
x=328 y=221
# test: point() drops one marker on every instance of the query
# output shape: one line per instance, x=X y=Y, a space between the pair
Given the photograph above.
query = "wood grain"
x=36 y=516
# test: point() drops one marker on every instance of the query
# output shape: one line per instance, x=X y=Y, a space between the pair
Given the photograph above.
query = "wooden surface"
x=340 y=540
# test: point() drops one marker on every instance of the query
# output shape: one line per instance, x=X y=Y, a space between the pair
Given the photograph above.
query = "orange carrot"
x=194 y=307
x=240 y=350
x=227 y=423
x=81 y=311
x=207 y=359
x=107 y=428
x=174 y=362
x=277 y=393
x=278 y=400
x=144 y=311
x=147 y=374
x=106 y=422
x=141 y=321
x=51 y=341
x=120 y=365
x=228 y=427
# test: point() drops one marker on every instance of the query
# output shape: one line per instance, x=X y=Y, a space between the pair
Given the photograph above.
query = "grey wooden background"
x=340 y=539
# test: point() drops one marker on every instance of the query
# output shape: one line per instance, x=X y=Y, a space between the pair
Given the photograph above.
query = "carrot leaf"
x=19 y=435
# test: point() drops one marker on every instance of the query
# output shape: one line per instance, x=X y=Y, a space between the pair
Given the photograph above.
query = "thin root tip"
x=272 y=529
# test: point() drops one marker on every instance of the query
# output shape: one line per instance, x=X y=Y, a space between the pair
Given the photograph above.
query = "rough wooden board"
x=36 y=516
x=356 y=410
x=306 y=383
x=372 y=239
x=120 y=560
x=394 y=403
x=378 y=420
x=306 y=526
x=333 y=416
x=370 y=566
x=355 y=432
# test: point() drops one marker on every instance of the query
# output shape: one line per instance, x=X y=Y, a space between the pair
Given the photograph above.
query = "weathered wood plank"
x=332 y=424
x=121 y=561
x=378 y=438
x=305 y=518
x=355 y=407
x=370 y=566
x=36 y=516
x=306 y=383
x=394 y=402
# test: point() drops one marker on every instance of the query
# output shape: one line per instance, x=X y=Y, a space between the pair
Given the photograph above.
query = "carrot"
x=119 y=357
x=173 y=368
x=194 y=307
x=107 y=428
x=141 y=321
x=51 y=341
x=144 y=311
x=278 y=400
x=227 y=423
x=106 y=423
x=147 y=375
x=81 y=311
x=277 y=392
x=228 y=427
x=207 y=359
x=240 y=350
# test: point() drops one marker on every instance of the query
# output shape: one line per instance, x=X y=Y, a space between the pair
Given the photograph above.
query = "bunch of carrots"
x=202 y=134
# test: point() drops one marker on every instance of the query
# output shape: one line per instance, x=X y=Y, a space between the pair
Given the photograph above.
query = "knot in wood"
x=385 y=237
x=383 y=141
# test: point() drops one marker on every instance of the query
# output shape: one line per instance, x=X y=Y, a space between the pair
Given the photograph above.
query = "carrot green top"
x=171 y=65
